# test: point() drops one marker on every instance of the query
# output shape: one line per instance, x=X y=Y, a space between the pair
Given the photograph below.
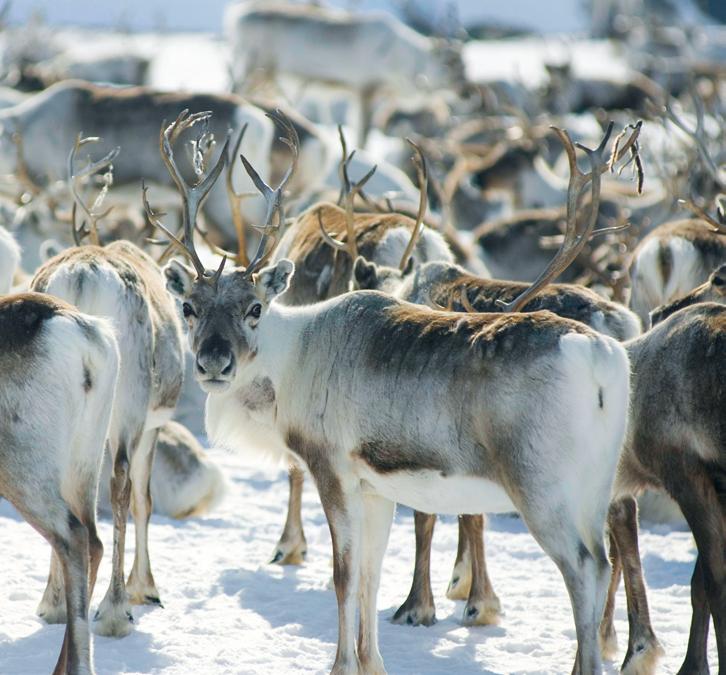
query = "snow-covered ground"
x=227 y=611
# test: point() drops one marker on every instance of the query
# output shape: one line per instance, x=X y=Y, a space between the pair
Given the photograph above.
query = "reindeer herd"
x=360 y=339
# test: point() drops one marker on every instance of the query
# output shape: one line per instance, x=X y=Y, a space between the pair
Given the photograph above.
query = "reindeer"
x=384 y=400
x=325 y=266
x=448 y=287
x=368 y=53
x=674 y=443
x=9 y=260
x=125 y=117
x=66 y=363
x=675 y=258
x=123 y=283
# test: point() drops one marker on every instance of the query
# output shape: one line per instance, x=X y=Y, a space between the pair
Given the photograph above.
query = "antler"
x=192 y=195
x=717 y=224
x=272 y=197
x=698 y=135
x=574 y=241
x=89 y=226
x=235 y=199
x=348 y=190
x=422 y=174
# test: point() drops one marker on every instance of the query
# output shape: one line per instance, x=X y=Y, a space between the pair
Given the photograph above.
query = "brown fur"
x=311 y=254
x=22 y=317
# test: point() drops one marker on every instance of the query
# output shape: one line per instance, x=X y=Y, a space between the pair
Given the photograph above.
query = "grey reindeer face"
x=223 y=318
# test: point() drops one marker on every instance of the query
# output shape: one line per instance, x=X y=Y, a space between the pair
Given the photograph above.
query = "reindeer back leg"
x=141 y=586
x=419 y=609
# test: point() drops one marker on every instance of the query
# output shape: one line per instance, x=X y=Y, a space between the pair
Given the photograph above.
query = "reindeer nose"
x=215 y=359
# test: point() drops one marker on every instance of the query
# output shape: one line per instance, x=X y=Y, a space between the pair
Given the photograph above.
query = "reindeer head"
x=223 y=315
x=223 y=310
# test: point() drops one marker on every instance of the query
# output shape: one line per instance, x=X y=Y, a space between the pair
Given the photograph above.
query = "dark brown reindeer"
x=675 y=443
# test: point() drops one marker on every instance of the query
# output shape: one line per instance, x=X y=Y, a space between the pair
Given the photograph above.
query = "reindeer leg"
x=292 y=547
x=141 y=587
x=696 y=661
x=367 y=96
x=608 y=637
x=644 y=650
x=52 y=607
x=482 y=607
x=113 y=617
x=419 y=605
x=693 y=487
x=578 y=550
x=460 y=584
x=377 y=517
x=73 y=554
x=343 y=509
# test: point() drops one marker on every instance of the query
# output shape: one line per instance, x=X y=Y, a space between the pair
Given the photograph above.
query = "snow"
x=228 y=611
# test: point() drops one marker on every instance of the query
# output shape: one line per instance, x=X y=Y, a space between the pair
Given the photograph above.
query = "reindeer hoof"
x=482 y=613
x=289 y=553
x=644 y=657
x=142 y=592
x=412 y=613
x=460 y=584
x=608 y=645
x=113 y=620
x=52 y=613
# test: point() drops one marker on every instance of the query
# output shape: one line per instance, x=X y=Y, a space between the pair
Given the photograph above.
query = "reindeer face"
x=223 y=318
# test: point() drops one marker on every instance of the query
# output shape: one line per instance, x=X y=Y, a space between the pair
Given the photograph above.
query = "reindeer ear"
x=365 y=274
x=275 y=279
x=179 y=278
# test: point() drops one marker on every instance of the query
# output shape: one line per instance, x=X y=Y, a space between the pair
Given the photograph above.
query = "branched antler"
x=275 y=214
x=348 y=191
x=89 y=224
x=193 y=196
x=574 y=239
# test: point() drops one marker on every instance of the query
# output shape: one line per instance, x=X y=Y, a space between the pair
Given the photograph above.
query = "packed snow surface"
x=227 y=611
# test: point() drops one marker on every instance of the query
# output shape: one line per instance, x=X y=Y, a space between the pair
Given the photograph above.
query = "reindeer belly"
x=431 y=492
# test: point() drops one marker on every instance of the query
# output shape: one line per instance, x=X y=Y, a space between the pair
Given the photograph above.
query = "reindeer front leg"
x=292 y=547
x=344 y=510
x=377 y=517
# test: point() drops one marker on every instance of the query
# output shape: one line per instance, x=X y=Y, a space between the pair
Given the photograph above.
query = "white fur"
x=649 y=290
x=429 y=491
x=431 y=246
x=9 y=260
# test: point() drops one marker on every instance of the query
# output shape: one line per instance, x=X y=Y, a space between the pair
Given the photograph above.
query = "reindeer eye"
x=187 y=310
x=255 y=311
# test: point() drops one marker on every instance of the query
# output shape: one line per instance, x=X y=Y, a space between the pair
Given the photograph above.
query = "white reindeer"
x=385 y=401
x=367 y=53
x=58 y=372
x=121 y=282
